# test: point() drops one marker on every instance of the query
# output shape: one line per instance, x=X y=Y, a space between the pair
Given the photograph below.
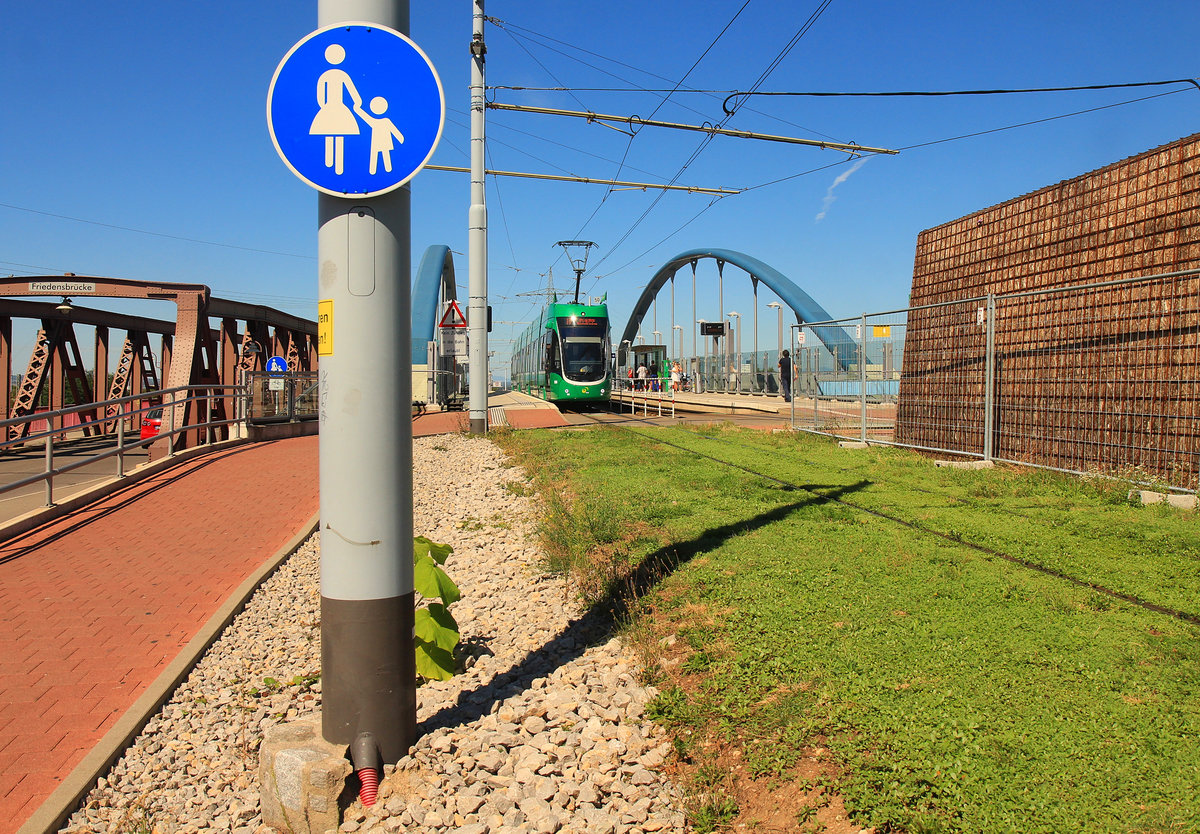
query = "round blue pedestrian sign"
x=355 y=109
x=277 y=365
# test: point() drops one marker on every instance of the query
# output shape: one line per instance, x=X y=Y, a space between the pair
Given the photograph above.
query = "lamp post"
x=673 y=309
x=738 y=367
x=694 y=306
x=657 y=336
x=754 y=367
x=779 y=307
x=678 y=328
x=779 y=347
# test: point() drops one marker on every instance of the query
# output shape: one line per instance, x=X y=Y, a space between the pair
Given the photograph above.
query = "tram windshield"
x=584 y=348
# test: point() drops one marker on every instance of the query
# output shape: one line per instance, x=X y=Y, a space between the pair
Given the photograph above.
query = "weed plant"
x=955 y=690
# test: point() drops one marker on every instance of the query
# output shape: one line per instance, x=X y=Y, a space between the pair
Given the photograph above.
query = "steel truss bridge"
x=211 y=342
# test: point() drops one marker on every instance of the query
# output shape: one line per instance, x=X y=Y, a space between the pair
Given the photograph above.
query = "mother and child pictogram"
x=335 y=120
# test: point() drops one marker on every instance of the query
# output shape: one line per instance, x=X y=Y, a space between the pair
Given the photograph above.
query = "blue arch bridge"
x=826 y=362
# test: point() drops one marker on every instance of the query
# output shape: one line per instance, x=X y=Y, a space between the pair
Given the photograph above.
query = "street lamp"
x=779 y=307
x=679 y=329
x=738 y=368
x=779 y=351
x=657 y=336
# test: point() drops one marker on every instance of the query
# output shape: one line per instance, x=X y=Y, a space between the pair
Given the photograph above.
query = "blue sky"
x=134 y=140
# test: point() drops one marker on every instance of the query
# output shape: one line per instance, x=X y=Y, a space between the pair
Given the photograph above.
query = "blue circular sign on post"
x=277 y=365
x=355 y=109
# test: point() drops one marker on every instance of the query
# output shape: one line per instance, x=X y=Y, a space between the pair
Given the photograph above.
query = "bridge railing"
x=118 y=432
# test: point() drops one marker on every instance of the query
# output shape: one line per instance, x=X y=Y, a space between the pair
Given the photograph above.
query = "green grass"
x=958 y=691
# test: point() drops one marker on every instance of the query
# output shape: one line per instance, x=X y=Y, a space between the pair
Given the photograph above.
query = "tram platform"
x=705 y=402
x=511 y=409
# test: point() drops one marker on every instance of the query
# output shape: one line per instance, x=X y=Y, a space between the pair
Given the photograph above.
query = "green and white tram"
x=564 y=355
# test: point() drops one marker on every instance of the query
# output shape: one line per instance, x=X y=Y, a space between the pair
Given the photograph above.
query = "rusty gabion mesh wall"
x=1104 y=379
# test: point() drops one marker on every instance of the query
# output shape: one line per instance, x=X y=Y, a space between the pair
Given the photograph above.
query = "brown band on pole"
x=368 y=672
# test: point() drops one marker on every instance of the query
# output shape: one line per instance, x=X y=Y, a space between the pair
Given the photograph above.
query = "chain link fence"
x=1099 y=378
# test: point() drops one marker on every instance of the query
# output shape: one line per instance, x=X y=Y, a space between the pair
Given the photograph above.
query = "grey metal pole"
x=363 y=251
x=754 y=372
x=477 y=235
x=724 y=363
x=780 y=328
x=862 y=378
x=673 y=315
x=694 y=326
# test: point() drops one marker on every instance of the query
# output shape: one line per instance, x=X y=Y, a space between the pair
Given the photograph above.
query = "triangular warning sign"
x=453 y=316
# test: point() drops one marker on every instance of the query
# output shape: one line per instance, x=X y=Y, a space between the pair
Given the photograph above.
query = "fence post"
x=989 y=382
x=862 y=378
x=49 y=466
x=121 y=444
x=171 y=427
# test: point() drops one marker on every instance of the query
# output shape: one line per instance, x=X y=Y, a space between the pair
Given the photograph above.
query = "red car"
x=151 y=423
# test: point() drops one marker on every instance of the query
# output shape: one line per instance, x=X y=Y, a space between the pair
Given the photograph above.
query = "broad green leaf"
x=433 y=662
x=433 y=583
x=435 y=625
x=424 y=547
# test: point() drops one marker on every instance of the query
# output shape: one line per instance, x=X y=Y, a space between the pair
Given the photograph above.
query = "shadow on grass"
x=599 y=622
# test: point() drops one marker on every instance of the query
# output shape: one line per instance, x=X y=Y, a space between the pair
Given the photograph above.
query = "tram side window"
x=550 y=352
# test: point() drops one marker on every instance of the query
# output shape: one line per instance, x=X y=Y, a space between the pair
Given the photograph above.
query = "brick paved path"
x=95 y=605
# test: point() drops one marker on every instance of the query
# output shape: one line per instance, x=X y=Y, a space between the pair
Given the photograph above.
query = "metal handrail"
x=210 y=392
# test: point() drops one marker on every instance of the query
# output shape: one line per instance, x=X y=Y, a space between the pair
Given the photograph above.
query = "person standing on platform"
x=785 y=376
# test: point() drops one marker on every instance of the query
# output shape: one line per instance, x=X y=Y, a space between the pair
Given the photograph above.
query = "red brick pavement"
x=445 y=422
x=93 y=606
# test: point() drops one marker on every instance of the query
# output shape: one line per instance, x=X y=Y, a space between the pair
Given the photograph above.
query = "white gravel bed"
x=542 y=732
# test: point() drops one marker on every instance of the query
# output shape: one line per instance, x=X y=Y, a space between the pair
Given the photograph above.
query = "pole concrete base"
x=303 y=785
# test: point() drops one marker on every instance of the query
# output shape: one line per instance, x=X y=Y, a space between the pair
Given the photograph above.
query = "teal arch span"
x=839 y=343
x=434 y=281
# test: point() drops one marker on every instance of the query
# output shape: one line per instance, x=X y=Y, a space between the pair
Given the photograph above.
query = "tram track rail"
x=989 y=552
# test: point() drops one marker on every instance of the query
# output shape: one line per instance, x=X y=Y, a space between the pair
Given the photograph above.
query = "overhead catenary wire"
x=929 y=93
x=546 y=39
x=713 y=130
x=635 y=185
x=708 y=138
x=629 y=144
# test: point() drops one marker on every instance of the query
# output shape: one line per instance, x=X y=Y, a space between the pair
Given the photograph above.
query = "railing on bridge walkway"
x=131 y=424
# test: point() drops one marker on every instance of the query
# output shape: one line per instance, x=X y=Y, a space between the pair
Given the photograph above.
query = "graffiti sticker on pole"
x=355 y=109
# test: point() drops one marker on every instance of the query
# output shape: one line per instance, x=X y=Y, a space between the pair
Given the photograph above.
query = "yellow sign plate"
x=325 y=328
